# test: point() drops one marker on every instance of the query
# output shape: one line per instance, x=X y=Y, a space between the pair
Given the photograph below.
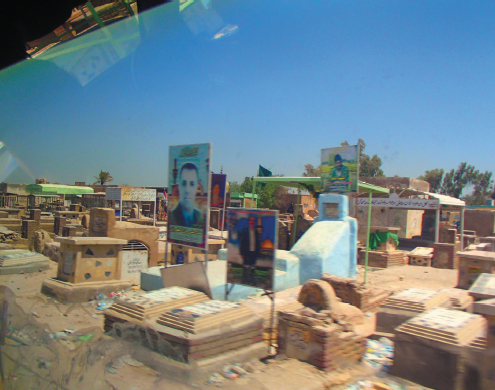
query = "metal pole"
x=223 y=213
x=437 y=224
x=120 y=205
x=154 y=213
x=252 y=195
x=166 y=253
x=461 y=226
x=367 y=241
x=294 y=232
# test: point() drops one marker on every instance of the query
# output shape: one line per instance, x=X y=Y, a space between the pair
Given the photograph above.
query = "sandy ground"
x=83 y=358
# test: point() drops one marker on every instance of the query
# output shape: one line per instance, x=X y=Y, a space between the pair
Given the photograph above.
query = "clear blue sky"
x=414 y=79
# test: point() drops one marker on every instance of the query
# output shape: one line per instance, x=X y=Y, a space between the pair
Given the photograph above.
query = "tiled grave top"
x=416 y=300
x=443 y=319
x=158 y=297
x=484 y=286
x=204 y=316
x=414 y=295
x=445 y=326
x=206 y=308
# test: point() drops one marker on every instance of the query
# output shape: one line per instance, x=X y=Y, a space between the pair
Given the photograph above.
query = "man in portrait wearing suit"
x=185 y=214
x=250 y=248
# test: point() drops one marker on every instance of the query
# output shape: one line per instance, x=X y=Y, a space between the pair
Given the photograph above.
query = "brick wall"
x=318 y=342
x=355 y=293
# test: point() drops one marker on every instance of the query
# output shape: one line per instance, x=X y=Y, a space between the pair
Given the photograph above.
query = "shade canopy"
x=57 y=189
x=314 y=183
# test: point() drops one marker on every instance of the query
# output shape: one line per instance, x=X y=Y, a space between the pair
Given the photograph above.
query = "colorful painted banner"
x=253 y=239
x=218 y=185
x=188 y=200
x=420 y=204
x=340 y=169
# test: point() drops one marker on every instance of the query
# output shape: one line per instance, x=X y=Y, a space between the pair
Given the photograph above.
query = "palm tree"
x=103 y=177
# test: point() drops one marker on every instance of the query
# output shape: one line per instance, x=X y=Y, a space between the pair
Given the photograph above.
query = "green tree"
x=310 y=171
x=234 y=186
x=434 y=178
x=482 y=191
x=103 y=177
x=246 y=185
x=368 y=166
x=455 y=181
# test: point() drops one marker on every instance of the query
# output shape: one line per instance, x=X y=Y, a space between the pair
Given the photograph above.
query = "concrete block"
x=287 y=273
x=431 y=349
x=472 y=264
x=81 y=292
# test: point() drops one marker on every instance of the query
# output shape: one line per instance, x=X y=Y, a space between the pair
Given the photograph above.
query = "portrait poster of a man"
x=188 y=194
x=218 y=185
x=339 y=169
x=253 y=237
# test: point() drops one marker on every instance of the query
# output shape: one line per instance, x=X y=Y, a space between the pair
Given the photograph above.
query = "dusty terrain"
x=62 y=346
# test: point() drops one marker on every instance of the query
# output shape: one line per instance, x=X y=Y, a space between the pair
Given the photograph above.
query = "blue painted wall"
x=330 y=245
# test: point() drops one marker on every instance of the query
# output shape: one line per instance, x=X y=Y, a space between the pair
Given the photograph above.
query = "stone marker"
x=431 y=348
x=421 y=256
x=472 y=264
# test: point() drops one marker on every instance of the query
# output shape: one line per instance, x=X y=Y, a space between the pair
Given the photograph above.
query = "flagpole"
x=252 y=195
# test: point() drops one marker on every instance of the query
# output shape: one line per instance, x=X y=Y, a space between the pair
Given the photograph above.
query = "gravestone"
x=431 y=348
x=483 y=287
x=406 y=304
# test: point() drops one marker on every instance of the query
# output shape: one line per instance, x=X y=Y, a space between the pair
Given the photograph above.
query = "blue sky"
x=414 y=79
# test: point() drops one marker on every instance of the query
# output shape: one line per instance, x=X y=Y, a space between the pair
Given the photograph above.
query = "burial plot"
x=406 y=304
x=431 y=349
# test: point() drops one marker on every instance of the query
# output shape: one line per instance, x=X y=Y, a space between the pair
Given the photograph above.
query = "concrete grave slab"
x=431 y=348
x=483 y=287
x=81 y=292
x=15 y=261
x=406 y=304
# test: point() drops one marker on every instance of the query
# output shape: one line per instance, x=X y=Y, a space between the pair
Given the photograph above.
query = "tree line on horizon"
x=456 y=181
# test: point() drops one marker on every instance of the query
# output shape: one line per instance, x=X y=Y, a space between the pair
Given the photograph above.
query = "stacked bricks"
x=73 y=231
x=77 y=207
x=317 y=341
x=444 y=256
x=310 y=334
x=31 y=226
x=355 y=293
x=59 y=224
x=382 y=259
x=447 y=235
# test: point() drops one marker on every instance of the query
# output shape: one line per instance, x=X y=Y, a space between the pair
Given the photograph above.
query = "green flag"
x=263 y=172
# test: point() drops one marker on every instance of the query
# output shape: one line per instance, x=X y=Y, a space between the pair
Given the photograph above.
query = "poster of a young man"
x=340 y=169
x=189 y=184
